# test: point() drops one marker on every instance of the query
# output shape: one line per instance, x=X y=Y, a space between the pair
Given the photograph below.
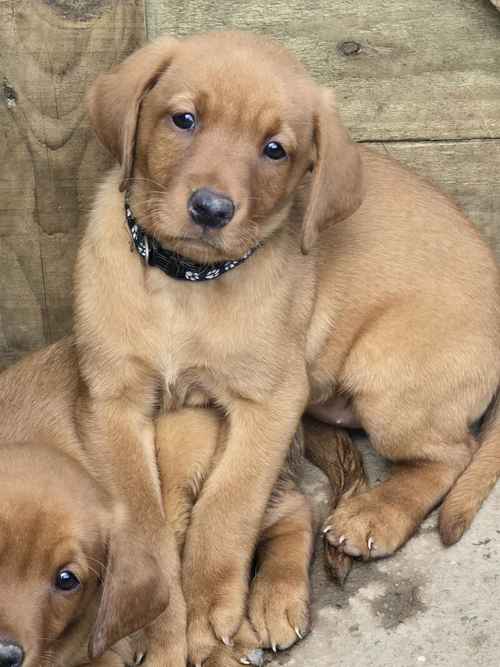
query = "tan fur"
x=49 y=499
x=345 y=474
x=395 y=307
x=192 y=442
x=54 y=514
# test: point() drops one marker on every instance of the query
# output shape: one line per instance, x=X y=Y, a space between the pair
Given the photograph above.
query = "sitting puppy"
x=61 y=531
x=247 y=247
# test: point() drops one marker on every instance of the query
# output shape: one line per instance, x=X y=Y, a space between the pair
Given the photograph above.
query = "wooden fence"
x=418 y=80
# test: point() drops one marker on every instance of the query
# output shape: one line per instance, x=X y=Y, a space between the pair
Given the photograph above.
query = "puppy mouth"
x=199 y=242
x=182 y=242
x=206 y=237
x=207 y=245
x=200 y=248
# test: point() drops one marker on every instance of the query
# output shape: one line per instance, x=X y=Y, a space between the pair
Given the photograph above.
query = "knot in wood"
x=349 y=48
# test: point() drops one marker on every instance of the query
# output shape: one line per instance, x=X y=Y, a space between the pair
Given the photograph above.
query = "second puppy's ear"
x=114 y=99
x=134 y=590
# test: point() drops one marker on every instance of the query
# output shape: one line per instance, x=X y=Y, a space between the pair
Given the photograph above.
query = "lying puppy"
x=59 y=527
x=247 y=253
x=53 y=551
x=62 y=533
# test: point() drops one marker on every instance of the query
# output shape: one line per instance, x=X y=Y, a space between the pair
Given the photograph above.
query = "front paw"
x=164 y=641
x=245 y=649
x=133 y=649
x=174 y=656
x=279 y=608
x=215 y=610
x=367 y=526
x=172 y=652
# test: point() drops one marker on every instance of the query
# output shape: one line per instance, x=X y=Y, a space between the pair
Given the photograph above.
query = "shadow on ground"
x=427 y=605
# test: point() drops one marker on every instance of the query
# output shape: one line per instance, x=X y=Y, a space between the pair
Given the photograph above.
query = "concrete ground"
x=426 y=606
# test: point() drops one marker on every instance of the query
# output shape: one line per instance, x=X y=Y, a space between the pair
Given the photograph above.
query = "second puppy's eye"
x=274 y=151
x=66 y=580
x=184 y=121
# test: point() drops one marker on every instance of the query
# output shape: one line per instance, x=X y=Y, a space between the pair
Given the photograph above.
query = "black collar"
x=174 y=265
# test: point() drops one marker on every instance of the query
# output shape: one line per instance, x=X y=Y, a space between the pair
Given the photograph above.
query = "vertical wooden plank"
x=49 y=158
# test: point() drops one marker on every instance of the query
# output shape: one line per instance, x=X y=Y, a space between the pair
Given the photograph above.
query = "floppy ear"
x=134 y=592
x=114 y=99
x=336 y=189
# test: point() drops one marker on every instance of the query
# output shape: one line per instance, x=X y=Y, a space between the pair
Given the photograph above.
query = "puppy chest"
x=212 y=338
x=196 y=330
x=200 y=363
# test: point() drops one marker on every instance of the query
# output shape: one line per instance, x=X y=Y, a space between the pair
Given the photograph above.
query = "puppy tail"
x=332 y=451
x=473 y=487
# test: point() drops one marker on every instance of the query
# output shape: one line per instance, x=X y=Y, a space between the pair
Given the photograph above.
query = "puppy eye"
x=66 y=580
x=184 y=121
x=274 y=151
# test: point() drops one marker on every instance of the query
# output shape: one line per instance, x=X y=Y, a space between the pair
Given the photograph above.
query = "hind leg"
x=418 y=373
x=279 y=595
x=331 y=449
x=378 y=521
x=415 y=397
x=279 y=592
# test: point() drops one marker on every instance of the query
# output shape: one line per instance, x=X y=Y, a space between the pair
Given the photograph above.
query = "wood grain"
x=418 y=79
x=49 y=159
x=414 y=70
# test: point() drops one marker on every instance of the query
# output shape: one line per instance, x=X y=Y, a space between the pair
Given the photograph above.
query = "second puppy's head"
x=71 y=584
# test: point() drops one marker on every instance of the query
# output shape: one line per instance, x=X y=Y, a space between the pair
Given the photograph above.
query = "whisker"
x=132 y=179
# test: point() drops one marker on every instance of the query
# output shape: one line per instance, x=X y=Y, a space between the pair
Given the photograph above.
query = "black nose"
x=210 y=209
x=11 y=654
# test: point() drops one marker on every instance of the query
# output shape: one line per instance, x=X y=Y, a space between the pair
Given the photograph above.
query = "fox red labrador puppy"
x=61 y=532
x=246 y=253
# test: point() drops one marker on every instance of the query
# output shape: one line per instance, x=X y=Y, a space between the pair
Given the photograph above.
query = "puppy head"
x=65 y=576
x=221 y=133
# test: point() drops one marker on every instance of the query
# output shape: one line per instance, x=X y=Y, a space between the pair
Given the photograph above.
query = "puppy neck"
x=170 y=262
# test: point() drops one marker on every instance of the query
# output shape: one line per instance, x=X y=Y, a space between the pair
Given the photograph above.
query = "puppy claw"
x=274 y=647
x=339 y=563
x=326 y=529
x=333 y=539
x=299 y=633
x=371 y=544
x=226 y=641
